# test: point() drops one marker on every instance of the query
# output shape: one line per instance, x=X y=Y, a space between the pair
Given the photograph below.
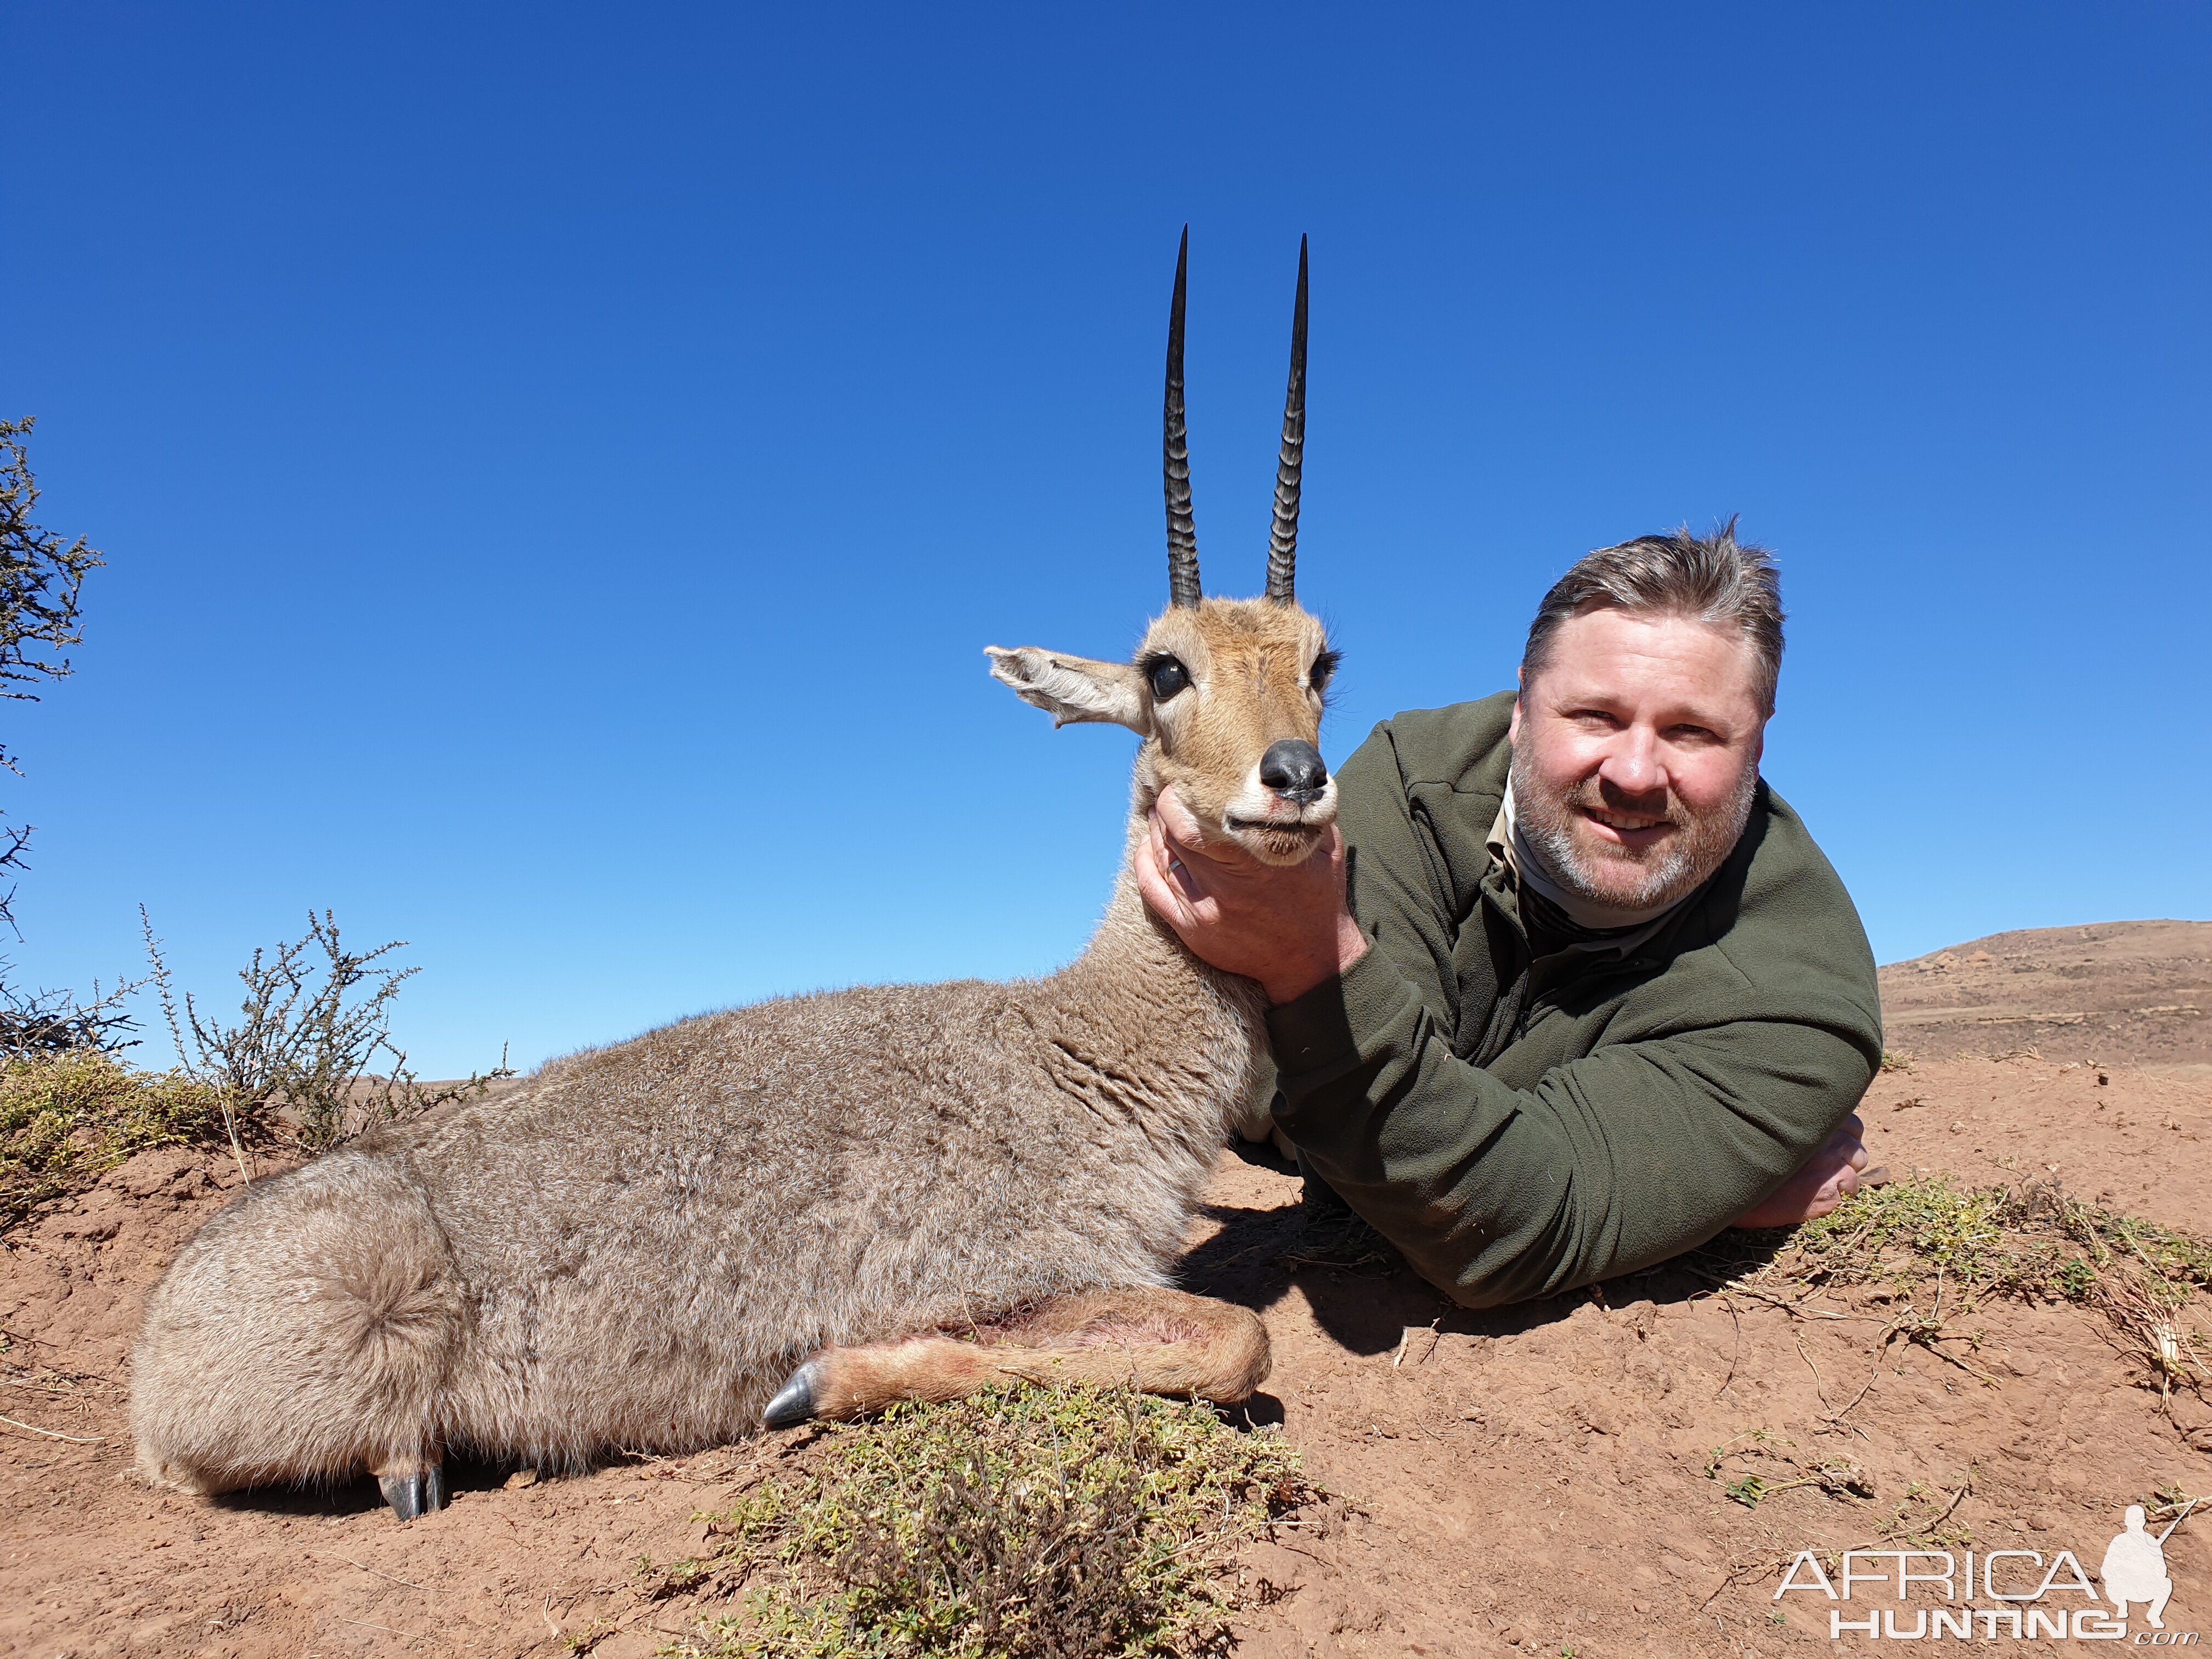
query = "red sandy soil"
x=1533 y=1481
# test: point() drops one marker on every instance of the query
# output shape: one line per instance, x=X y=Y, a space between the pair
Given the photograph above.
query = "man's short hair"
x=1707 y=579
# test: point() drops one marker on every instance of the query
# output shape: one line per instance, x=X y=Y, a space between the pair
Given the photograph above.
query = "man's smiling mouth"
x=1625 y=824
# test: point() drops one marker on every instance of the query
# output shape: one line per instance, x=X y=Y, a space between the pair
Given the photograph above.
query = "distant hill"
x=2124 y=993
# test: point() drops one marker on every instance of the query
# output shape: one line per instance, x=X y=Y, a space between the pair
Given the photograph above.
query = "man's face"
x=1635 y=753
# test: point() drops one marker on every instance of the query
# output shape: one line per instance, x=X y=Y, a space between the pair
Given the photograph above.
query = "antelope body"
x=922 y=1188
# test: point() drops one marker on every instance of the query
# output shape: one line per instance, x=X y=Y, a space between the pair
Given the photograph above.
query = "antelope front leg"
x=1160 y=1341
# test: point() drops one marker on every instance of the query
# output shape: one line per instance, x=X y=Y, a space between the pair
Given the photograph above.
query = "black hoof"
x=794 y=1401
x=410 y=1495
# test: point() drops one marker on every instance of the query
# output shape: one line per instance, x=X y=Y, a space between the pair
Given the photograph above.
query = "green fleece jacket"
x=1520 y=1127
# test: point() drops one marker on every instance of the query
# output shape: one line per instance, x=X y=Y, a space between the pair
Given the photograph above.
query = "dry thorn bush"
x=35 y=1024
x=294 y=1071
x=41 y=579
x=301 y=1064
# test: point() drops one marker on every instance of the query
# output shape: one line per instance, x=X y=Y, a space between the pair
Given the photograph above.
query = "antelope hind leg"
x=413 y=1485
x=1160 y=1341
x=304 y=1335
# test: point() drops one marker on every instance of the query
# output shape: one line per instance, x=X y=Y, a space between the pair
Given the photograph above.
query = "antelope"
x=810 y=1206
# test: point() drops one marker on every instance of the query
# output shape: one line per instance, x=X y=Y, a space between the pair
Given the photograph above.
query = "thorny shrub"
x=315 y=1017
x=40 y=580
x=294 y=1071
x=1024 y=1523
x=40 y=1023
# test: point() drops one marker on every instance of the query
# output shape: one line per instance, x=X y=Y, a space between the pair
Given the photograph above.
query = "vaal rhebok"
x=790 y=1209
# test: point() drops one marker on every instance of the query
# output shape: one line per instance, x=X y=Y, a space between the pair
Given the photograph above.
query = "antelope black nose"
x=1294 y=771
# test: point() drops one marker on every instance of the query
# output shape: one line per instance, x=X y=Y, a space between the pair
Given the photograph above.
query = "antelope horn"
x=1283 y=540
x=1182 y=535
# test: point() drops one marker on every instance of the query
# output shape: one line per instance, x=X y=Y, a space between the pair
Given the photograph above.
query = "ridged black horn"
x=1183 y=534
x=1283 y=540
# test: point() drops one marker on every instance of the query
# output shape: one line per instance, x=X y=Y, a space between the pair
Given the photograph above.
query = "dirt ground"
x=1536 y=1481
x=2126 y=993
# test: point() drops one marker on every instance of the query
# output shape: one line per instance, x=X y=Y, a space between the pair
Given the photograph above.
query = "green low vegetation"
x=1024 y=1523
x=2033 y=1241
x=67 y=1119
x=1960 y=1246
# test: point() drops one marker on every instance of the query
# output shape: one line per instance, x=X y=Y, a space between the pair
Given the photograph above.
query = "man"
x=1571 y=990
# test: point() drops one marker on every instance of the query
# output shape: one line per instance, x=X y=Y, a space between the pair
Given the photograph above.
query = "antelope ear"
x=1071 y=688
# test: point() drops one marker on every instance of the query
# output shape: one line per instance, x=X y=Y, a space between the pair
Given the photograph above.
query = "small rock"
x=1599 y=1416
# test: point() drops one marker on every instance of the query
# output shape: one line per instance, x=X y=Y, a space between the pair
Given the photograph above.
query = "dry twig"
x=50 y=1434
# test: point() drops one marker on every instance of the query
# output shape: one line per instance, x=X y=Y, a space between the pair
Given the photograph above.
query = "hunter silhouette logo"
x=2135 y=1568
x=2025 y=1589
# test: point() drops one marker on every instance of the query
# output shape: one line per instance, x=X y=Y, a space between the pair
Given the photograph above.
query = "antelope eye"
x=1168 y=677
x=1324 y=666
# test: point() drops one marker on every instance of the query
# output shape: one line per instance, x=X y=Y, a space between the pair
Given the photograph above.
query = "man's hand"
x=1820 y=1186
x=1286 y=926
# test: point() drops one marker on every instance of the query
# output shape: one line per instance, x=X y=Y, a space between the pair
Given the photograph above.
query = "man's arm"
x=1498 y=1193
x=1613 y=1161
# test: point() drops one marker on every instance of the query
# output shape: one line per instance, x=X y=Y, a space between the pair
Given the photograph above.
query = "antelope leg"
x=416 y=1492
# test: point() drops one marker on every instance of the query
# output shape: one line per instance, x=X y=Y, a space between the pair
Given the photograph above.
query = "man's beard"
x=1672 y=872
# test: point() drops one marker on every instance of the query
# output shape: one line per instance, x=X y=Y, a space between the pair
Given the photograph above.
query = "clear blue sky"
x=559 y=466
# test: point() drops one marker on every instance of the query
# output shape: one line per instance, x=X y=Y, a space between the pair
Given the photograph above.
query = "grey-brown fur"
x=635 y=1246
